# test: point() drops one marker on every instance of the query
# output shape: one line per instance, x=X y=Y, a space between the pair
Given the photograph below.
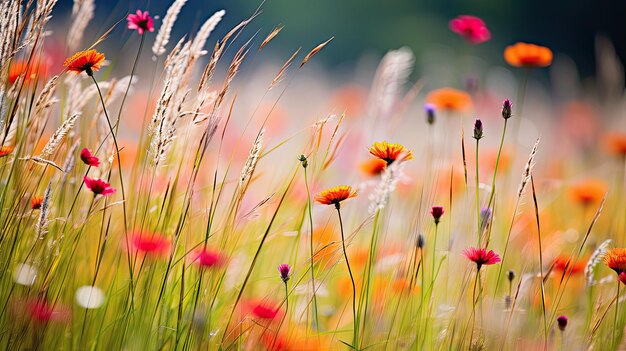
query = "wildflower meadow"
x=161 y=191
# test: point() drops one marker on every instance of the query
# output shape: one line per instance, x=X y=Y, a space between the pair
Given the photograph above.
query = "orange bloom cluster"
x=84 y=61
x=335 y=195
x=6 y=150
x=390 y=152
x=449 y=99
x=615 y=144
x=528 y=55
x=616 y=260
x=588 y=191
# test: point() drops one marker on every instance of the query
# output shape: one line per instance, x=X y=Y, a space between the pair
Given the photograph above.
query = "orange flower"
x=84 y=61
x=334 y=196
x=588 y=191
x=527 y=55
x=615 y=144
x=36 y=202
x=390 y=152
x=449 y=99
x=616 y=260
x=373 y=166
x=6 y=150
x=31 y=71
x=563 y=263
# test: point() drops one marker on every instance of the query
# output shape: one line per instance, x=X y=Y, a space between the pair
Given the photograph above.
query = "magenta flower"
x=562 y=322
x=285 y=272
x=141 y=22
x=437 y=212
x=208 y=258
x=149 y=243
x=481 y=256
x=473 y=29
x=98 y=186
x=88 y=158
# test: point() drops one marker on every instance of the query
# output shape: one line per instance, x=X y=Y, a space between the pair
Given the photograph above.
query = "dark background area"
x=375 y=26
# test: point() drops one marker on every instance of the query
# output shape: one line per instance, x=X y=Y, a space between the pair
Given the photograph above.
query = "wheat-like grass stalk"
x=83 y=16
x=41 y=227
x=251 y=161
x=197 y=46
x=56 y=138
x=165 y=31
x=596 y=257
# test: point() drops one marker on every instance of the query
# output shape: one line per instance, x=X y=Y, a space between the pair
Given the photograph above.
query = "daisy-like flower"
x=565 y=264
x=285 y=272
x=98 y=186
x=390 y=152
x=481 y=256
x=449 y=99
x=527 y=55
x=615 y=144
x=588 y=191
x=264 y=309
x=149 y=243
x=616 y=260
x=6 y=150
x=84 y=61
x=88 y=158
x=36 y=202
x=472 y=28
x=208 y=258
x=335 y=195
x=30 y=71
x=373 y=166
x=140 y=21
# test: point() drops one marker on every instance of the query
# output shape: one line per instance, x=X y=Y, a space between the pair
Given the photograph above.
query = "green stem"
x=308 y=196
x=355 y=339
x=478 y=219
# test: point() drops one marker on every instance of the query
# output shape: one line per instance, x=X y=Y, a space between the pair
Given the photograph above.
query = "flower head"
x=208 y=258
x=285 y=272
x=527 y=55
x=98 y=186
x=430 y=113
x=30 y=70
x=562 y=322
x=373 y=166
x=263 y=309
x=390 y=152
x=616 y=260
x=478 y=129
x=622 y=277
x=84 y=61
x=615 y=144
x=88 y=158
x=472 y=28
x=565 y=264
x=41 y=311
x=507 y=107
x=335 y=195
x=481 y=256
x=437 y=212
x=149 y=243
x=6 y=150
x=588 y=191
x=36 y=202
x=141 y=21
x=449 y=99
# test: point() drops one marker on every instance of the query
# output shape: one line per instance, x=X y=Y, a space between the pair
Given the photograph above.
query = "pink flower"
x=98 y=186
x=473 y=29
x=622 y=277
x=285 y=272
x=88 y=158
x=208 y=258
x=149 y=243
x=141 y=22
x=481 y=256
x=264 y=309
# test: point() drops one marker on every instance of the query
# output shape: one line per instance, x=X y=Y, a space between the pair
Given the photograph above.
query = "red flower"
x=622 y=277
x=98 y=186
x=88 y=158
x=264 y=309
x=149 y=243
x=208 y=258
x=40 y=311
x=473 y=29
x=141 y=22
x=437 y=212
x=84 y=61
x=481 y=256
x=334 y=196
x=36 y=202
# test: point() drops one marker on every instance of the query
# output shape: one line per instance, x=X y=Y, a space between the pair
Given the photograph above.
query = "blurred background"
x=368 y=28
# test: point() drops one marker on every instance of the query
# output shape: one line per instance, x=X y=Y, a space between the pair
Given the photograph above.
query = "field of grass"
x=188 y=194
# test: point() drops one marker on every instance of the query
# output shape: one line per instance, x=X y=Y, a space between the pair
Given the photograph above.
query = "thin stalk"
x=478 y=219
x=355 y=339
x=616 y=314
x=310 y=213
